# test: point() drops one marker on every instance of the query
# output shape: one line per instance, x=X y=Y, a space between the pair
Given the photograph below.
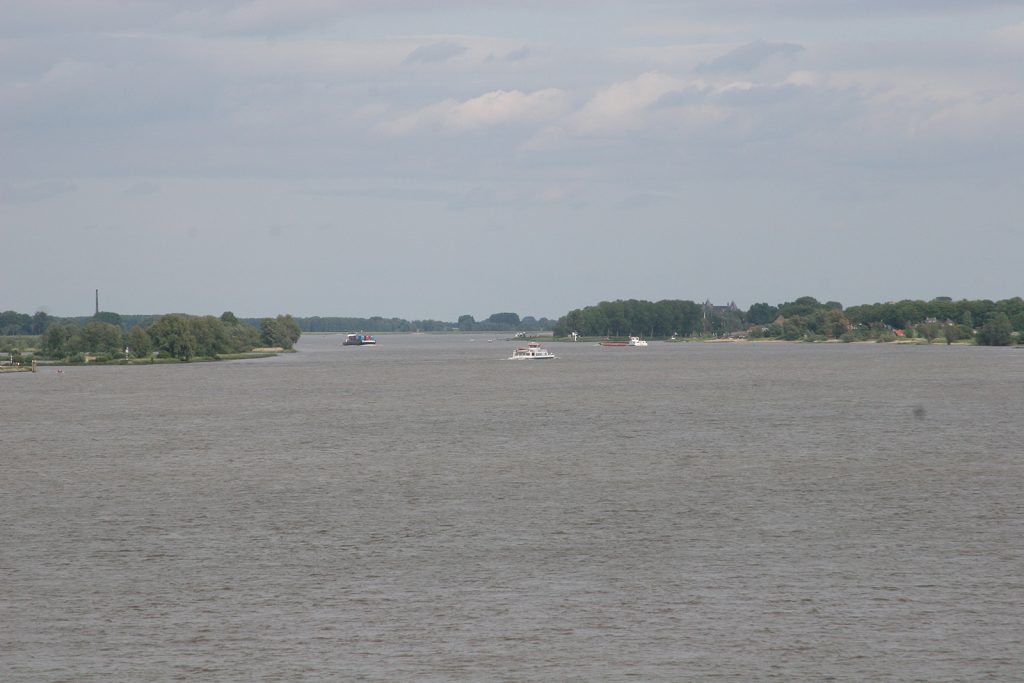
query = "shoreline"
x=696 y=340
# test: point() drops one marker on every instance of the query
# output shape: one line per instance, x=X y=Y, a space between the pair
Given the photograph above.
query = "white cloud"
x=1010 y=38
x=435 y=52
x=935 y=115
x=499 y=107
x=622 y=106
x=503 y=106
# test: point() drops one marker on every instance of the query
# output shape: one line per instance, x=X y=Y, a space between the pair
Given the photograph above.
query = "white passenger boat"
x=637 y=341
x=532 y=351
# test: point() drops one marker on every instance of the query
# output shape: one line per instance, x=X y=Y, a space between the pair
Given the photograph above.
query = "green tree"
x=997 y=331
x=466 y=323
x=618 y=318
x=241 y=337
x=909 y=313
x=794 y=328
x=282 y=331
x=762 y=314
x=270 y=334
x=593 y=322
x=929 y=331
x=139 y=343
x=108 y=317
x=290 y=329
x=40 y=321
x=210 y=335
x=172 y=334
x=508 y=320
x=805 y=305
x=732 y=321
x=951 y=334
x=97 y=337
x=55 y=340
x=835 y=323
x=12 y=322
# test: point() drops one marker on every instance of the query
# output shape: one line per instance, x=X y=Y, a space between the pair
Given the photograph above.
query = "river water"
x=425 y=510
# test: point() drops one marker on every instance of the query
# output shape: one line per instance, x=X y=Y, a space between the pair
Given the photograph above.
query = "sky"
x=429 y=160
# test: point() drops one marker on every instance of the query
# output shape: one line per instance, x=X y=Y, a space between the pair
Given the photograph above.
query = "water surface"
x=426 y=510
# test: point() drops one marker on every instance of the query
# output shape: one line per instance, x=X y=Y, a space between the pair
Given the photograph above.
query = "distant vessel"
x=533 y=351
x=358 y=340
x=633 y=341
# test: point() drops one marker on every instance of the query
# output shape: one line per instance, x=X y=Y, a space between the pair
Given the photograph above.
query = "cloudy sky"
x=427 y=160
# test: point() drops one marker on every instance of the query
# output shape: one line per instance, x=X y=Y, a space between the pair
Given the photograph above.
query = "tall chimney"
x=97 y=302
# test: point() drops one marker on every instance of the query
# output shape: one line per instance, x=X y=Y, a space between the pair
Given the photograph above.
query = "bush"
x=996 y=331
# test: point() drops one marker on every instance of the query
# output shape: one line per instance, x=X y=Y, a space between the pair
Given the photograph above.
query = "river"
x=426 y=510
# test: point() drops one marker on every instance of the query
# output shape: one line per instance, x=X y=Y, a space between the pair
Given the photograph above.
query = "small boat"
x=533 y=351
x=633 y=341
x=359 y=340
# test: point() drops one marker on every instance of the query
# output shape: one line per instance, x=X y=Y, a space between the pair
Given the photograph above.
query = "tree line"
x=620 y=318
x=466 y=323
x=372 y=324
x=500 y=322
x=14 y=323
x=174 y=335
x=806 y=318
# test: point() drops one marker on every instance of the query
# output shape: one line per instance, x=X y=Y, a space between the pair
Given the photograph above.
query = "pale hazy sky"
x=431 y=159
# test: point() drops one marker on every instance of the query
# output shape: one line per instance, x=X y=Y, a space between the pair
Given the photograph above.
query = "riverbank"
x=157 y=360
x=17 y=368
x=731 y=340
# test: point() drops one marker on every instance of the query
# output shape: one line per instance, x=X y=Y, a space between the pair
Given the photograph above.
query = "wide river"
x=425 y=510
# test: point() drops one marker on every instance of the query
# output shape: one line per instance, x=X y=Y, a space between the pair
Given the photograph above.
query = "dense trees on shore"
x=501 y=322
x=13 y=323
x=174 y=335
x=466 y=323
x=989 y=322
x=622 y=318
x=373 y=324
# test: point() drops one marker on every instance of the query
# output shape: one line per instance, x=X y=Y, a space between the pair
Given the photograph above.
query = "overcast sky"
x=432 y=159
